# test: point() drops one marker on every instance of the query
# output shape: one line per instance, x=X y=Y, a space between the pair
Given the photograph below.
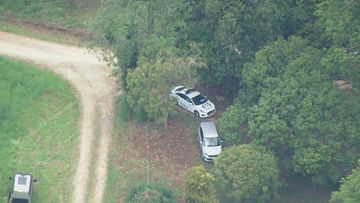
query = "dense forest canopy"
x=290 y=68
x=276 y=60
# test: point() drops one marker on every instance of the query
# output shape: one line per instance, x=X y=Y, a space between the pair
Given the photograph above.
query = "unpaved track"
x=96 y=92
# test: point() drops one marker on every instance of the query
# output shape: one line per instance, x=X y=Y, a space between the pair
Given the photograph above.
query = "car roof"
x=193 y=94
x=187 y=91
x=209 y=129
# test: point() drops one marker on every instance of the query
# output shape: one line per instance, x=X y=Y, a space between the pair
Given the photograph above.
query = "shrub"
x=199 y=186
x=349 y=189
x=148 y=193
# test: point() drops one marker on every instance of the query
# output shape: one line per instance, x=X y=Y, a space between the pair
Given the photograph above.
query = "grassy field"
x=50 y=20
x=60 y=13
x=38 y=130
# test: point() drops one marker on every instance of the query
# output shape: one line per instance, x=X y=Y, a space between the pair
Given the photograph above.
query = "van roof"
x=209 y=129
x=22 y=183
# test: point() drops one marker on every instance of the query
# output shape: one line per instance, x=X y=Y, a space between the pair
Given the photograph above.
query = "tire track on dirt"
x=96 y=91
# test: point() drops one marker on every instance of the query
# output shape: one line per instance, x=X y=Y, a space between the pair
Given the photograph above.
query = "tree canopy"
x=247 y=173
x=149 y=84
x=341 y=23
x=297 y=112
x=276 y=61
x=230 y=32
x=144 y=37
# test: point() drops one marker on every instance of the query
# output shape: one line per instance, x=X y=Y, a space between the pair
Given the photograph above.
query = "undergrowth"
x=70 y=14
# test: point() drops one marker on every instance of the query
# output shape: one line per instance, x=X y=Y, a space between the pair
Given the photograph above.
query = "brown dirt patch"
x=173 y=152
x=170 y=153
x=71 y=35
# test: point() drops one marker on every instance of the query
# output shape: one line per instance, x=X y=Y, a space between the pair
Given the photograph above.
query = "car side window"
x=188 y=99
x=181 y=95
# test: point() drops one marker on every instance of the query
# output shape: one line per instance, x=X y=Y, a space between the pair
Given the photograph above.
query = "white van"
x=209 y=141
x=21 y=188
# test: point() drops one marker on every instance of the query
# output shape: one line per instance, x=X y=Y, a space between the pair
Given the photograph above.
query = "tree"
x=126 y=28
x=349 y=189
x=144 y=38
x=298 y=17
x=341 y=23
x=199 y=186
x=295 y=111
x=301 y=115
x=231 y=32
x=232 y=126
x=247 y=173
x=150 y=83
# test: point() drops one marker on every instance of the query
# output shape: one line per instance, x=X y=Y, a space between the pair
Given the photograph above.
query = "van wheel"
x=197 y=114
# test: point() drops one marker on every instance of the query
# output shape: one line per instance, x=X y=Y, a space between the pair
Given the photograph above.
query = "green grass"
x=38 y=130
x=15 y=16
x=51 y=12
x=25 y=31
x=117 y=180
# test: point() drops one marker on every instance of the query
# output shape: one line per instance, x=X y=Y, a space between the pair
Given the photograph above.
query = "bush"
x=247 y=173
x=147 y=193
x=231 y=123
x=349 y=189
x=199 y=186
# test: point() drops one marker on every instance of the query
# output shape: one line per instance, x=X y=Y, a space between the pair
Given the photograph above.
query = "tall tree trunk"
x=166 y=124
x=150 y=20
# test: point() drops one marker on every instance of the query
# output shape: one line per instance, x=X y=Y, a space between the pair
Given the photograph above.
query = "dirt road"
x=96 y=92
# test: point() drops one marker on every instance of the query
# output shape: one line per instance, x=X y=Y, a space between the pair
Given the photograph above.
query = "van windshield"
x=212 y=142
x=16 y=200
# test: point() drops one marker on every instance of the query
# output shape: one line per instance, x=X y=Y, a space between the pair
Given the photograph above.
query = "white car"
x=209 y=141
x=193 y=101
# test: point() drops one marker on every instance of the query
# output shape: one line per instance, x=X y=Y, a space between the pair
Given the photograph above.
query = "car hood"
x=207 y=106
x=212 y=150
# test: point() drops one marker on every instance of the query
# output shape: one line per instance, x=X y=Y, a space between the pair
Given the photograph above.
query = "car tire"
x=202 y=157
x=197 y=114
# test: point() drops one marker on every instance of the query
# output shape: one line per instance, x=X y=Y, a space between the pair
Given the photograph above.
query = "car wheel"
x=196 y=113
x=202 y=156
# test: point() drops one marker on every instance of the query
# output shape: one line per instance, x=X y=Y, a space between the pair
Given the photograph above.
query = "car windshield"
x=179 y=89
x=212 y=142
x=199 y=99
